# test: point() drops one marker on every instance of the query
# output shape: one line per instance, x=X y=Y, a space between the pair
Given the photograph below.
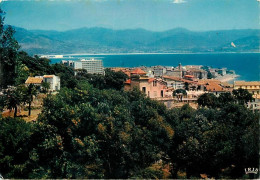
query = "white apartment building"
x=54 y=82
x=77 y=65
x=93 y=66
x=254 y=105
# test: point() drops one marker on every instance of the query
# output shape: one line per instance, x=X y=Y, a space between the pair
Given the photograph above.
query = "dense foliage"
x=87 y=132
x=238 y=96
x=8 y=53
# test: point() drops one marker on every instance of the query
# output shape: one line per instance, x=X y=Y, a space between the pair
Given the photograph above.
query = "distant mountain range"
x=101 y=40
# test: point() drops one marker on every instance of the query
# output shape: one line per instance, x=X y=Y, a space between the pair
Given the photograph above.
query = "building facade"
x=77 y=65
x=93 y=66
x=153 y=88
x=253 y=87
x=53 y=80
x=67 y=63
x=254 y=105
x=174 y=82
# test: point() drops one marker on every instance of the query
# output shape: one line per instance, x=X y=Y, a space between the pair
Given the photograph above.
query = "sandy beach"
x=227 y=77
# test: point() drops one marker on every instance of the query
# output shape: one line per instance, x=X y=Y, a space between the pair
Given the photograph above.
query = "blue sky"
x=155 y=15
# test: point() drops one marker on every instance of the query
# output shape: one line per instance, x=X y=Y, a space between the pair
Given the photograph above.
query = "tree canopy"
x=8 y=53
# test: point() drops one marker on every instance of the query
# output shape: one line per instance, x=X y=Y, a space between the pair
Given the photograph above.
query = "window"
x=143 y=89
x=154 y=83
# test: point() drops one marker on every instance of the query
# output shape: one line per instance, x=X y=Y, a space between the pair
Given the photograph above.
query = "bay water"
x=247 y=65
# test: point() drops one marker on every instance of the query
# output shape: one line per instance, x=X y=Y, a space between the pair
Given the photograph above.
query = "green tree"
x=225 y=98
x=81 y=74
x=114 y=79
x=22 y=73
x=66 y=75
x=208 y=100
x=37 y=66
x=209 y=75
x=101 y=133
x=8 y=53
x=111 y=79
x=15 y=147
x=29 y=93
x=216 y=142
x=2 y=103
x=45 y=86
x=13 y=98
x=242 y=96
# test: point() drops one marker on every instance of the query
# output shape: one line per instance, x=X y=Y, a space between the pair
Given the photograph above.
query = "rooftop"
x=33 y=80
x=90 y=60
x=178 y=79
x=48 y=76
x=208 y=81
x=138 y=71
x=214 y=87
x=128 y=81
x=246 y=83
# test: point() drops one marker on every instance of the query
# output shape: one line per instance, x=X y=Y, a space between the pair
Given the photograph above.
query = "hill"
x=101 y=40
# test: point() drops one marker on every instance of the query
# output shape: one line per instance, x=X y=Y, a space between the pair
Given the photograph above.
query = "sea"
x=246 y=65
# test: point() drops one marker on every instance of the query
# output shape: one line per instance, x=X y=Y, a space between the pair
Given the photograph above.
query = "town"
x=160 y=82
x=173 y=86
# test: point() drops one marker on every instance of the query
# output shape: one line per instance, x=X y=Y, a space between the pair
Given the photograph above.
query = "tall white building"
x=77 y=65
x=93 y=66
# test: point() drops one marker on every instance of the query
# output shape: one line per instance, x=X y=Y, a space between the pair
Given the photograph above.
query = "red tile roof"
x=178 y=79
x=151 y=79
x=124 y=70
x=189 y=76
x=208 y=81
x=128 y=81
x=138 y=71
x=214 y=87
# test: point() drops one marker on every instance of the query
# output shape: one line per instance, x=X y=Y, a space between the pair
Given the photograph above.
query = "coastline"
x=238 y=62
x=97 y=54
x=228 y=78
